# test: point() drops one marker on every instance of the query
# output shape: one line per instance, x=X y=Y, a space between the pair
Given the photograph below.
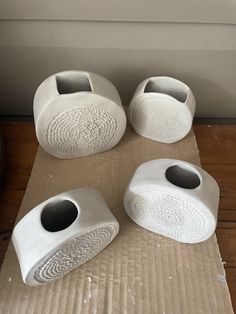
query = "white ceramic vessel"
x=62 y=233
x=162 y=109
x=78 y=113
x=173 y=198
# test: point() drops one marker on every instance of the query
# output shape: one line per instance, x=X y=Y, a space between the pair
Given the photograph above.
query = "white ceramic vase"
x=78 y=113
x=173 y=198
x=162 y=109
x=62 y=233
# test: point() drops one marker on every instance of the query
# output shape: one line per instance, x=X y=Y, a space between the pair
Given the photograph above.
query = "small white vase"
x=173 y=198
x=162 y=109
x=62 y=233
x=78 y=113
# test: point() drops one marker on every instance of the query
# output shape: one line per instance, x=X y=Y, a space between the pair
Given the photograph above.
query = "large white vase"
x=77 y=114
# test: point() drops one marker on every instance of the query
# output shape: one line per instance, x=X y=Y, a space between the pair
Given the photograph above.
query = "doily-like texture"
x=81 y=130
x=169 y=215
x=74 y=253
x=160 y=120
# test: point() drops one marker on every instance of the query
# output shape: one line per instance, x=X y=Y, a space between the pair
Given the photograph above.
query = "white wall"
x=202 y=55
x=190 y=11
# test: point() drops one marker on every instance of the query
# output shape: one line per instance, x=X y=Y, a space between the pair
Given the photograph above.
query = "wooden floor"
x=217 y=146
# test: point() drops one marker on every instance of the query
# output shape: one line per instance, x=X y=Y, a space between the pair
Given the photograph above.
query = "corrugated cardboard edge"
x=139 y=272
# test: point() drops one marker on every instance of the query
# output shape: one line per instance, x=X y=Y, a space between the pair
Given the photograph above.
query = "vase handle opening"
x=68 y=83
x=169 y=87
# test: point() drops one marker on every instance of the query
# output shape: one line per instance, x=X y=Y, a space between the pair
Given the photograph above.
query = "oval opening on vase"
x=167 y=86
x=183 y=177
x=58 y=215
x=72 y=82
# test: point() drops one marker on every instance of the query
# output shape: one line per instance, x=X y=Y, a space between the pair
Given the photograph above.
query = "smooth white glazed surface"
x=181 y=204
x=47 y=252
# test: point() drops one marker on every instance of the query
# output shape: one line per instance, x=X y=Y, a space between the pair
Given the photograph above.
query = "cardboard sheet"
x=139 y=272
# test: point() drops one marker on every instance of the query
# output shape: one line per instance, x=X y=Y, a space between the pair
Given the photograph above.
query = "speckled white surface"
x=46 y=256
x=77 y=114
x=72 y=254
x=162 y=109
x=186 y=214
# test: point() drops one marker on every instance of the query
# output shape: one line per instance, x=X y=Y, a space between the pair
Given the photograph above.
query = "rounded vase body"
x=62 y=233
x=173 y=198
x=162 y=109
x=78 y=113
